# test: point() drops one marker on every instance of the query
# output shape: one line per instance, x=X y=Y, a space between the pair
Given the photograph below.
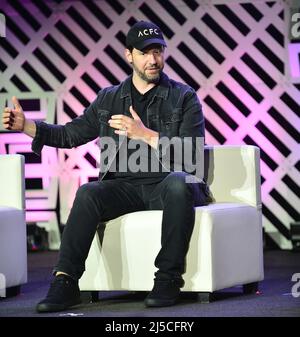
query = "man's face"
x=148 y=63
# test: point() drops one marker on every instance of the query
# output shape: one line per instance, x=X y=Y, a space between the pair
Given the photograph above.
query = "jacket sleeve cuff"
x=39 y=140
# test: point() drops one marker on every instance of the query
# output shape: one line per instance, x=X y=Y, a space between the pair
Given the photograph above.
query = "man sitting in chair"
x=163 y=119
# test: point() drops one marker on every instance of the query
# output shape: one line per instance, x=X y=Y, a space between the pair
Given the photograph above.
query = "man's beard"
x=147 y=78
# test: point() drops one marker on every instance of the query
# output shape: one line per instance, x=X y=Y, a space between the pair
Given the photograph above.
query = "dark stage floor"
x=275 y=300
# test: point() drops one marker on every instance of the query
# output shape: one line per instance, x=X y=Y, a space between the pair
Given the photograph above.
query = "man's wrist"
x=29 y=128
x=151 y=138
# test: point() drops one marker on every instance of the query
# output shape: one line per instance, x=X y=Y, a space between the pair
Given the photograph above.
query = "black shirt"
x=140 y=156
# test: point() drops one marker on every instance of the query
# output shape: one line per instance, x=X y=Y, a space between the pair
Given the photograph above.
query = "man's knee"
x=177 y=185
x=88 y=191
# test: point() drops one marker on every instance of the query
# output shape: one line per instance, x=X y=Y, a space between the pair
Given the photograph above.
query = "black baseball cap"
x=142 y=34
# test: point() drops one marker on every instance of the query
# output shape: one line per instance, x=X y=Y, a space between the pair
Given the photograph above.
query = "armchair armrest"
x=12 y=182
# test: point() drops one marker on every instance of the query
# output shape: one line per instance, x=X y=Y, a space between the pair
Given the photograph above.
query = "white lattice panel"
x=236 y=55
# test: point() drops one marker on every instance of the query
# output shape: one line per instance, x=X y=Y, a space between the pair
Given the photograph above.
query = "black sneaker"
x=164 y=293
x=63 y=293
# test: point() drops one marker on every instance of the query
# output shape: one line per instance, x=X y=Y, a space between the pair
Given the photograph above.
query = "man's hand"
x=14 y=119
x=133 y=128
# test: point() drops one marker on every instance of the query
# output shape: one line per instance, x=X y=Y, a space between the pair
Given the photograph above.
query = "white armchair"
x=226 y=245
x=13 y=249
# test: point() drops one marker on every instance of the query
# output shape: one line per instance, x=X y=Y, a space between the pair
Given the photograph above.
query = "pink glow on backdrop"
x=64 y=170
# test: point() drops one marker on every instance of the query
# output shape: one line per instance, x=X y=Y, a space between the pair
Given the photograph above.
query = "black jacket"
x=174 y=112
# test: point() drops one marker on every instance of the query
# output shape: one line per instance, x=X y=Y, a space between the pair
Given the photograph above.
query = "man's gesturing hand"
x=13 y=119
x=133 y=128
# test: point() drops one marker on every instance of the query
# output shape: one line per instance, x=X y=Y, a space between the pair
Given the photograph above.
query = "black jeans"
x=98 y=202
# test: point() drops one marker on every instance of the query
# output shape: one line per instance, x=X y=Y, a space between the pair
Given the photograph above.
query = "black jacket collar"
x=162 y=90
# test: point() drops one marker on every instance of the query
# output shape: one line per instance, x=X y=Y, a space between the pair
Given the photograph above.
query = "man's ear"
x=128 y=55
